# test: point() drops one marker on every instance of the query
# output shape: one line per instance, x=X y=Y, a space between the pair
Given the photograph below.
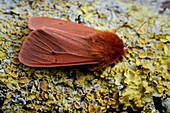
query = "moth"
x=56 y=43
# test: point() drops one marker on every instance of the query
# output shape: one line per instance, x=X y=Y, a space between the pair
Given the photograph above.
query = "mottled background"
x=140 y=83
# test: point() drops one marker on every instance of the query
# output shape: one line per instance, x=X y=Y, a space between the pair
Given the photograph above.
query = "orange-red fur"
x=54 y=43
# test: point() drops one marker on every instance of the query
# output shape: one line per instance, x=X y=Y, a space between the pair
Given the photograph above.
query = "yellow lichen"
x=77 y=105
x=23 y=80
x=167 y=49
x=142 y=54
x=160 y=45
x=91 y=109
x=133 y=83
x=2 y=55
x=43 y=85
x=16 y=61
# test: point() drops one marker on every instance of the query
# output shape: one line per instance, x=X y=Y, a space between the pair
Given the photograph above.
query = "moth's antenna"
x=125 y=24
x=141 y=26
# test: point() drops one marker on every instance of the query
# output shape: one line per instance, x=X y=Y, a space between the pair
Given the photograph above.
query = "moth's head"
x=112 y=48
x=118 y=50
x=107 y=48
x=122 y=46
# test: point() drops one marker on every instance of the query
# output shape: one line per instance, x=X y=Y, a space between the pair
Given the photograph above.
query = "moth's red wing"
x=71 y=27
x=49 y=47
